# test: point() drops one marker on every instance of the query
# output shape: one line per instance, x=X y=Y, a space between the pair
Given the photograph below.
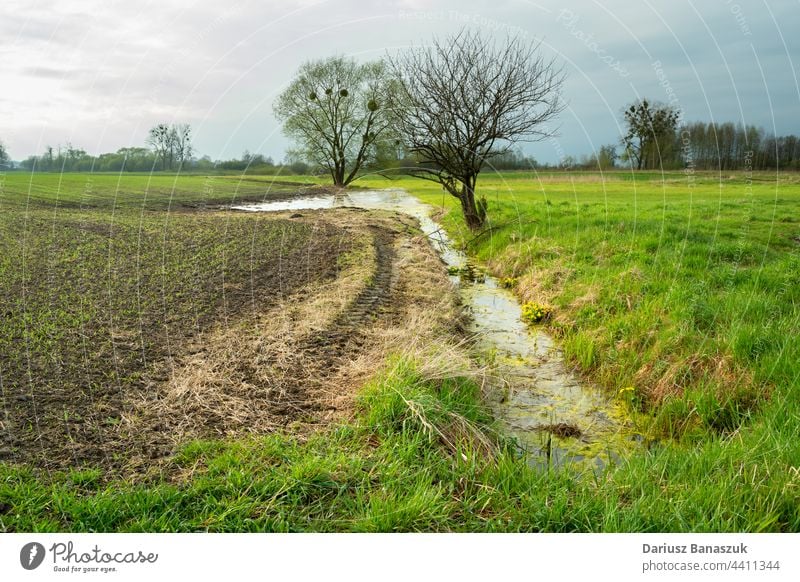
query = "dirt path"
x=321 y=354
x=298 y=366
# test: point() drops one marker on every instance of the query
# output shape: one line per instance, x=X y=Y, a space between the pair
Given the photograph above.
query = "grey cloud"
x=120 y=67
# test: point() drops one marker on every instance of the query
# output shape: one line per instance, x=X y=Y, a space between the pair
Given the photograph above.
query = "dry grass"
x=263 y=372
x=422 y=327
x=717 y=372
x=231 y=379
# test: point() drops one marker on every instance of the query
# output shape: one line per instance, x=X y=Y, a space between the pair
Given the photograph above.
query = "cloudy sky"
x=100 y=74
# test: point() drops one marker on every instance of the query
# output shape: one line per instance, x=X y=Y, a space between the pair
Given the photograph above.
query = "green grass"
x=139 y=191
x=661 y=286
x=689 y=296
x=389 y=470
x=681 y=295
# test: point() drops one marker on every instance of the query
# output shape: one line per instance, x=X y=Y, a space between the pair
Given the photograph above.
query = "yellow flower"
x=535 y=312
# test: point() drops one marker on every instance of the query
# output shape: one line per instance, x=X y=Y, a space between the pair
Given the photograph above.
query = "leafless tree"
x=171 y=144
x=464 y=100
x=182 y=143
x=160 y=139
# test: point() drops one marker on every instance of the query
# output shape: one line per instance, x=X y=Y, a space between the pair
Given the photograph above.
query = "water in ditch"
x=555 y=416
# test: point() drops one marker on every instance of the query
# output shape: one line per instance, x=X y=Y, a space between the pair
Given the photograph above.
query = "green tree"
x=650 y=138
x=334 y=111
x=606 y=156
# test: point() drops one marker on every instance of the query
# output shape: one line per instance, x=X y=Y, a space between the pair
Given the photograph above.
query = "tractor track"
x=319 y=355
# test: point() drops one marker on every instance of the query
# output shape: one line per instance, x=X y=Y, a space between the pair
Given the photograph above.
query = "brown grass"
x=718 y=372
x=264 y=372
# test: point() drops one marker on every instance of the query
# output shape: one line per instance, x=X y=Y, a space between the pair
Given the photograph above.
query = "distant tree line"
x=70 y=159
x=248 y=161
x=139 y=159
x=725 y=146
x=654 y=139
x=170 y=149
x=512 y=160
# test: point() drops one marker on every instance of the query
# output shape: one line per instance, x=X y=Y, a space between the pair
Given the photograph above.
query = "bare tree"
x=171 y=144
x=334 y=111
x=48 y=158
x=160 y=139
x=463 y=101
x=182 y=143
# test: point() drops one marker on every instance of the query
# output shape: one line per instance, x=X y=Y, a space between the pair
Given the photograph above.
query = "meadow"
x=679 y=295
x=682 y=292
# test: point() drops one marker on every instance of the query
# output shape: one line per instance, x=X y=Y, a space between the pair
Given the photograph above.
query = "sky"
x=100 y=74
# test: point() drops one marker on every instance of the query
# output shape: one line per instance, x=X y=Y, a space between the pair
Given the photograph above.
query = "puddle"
x=556 y=418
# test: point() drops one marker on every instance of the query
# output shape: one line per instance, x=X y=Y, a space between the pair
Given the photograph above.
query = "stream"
x=554 y=415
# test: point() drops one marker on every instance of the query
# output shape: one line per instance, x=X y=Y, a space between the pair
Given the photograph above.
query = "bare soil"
x=297 y=367
x=285 y=349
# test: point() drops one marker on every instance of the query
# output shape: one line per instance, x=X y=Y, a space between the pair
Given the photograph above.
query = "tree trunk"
x=472 y=215
x=338 y=176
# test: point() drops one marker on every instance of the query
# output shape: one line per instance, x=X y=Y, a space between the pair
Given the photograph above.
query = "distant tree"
x=463 y=101
x=48 y=160
x=606 y=157
x=131 y=159
x=789 y=152
x=511 y=160
x=650 y=136
x=68 y=158
x=5 y=160
x=567 y=162
x=160 y=139
x=181 y=140
x=334 y=111
x=172 y=145
x=250 y=160
x=205 y=163
x=294 y=163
